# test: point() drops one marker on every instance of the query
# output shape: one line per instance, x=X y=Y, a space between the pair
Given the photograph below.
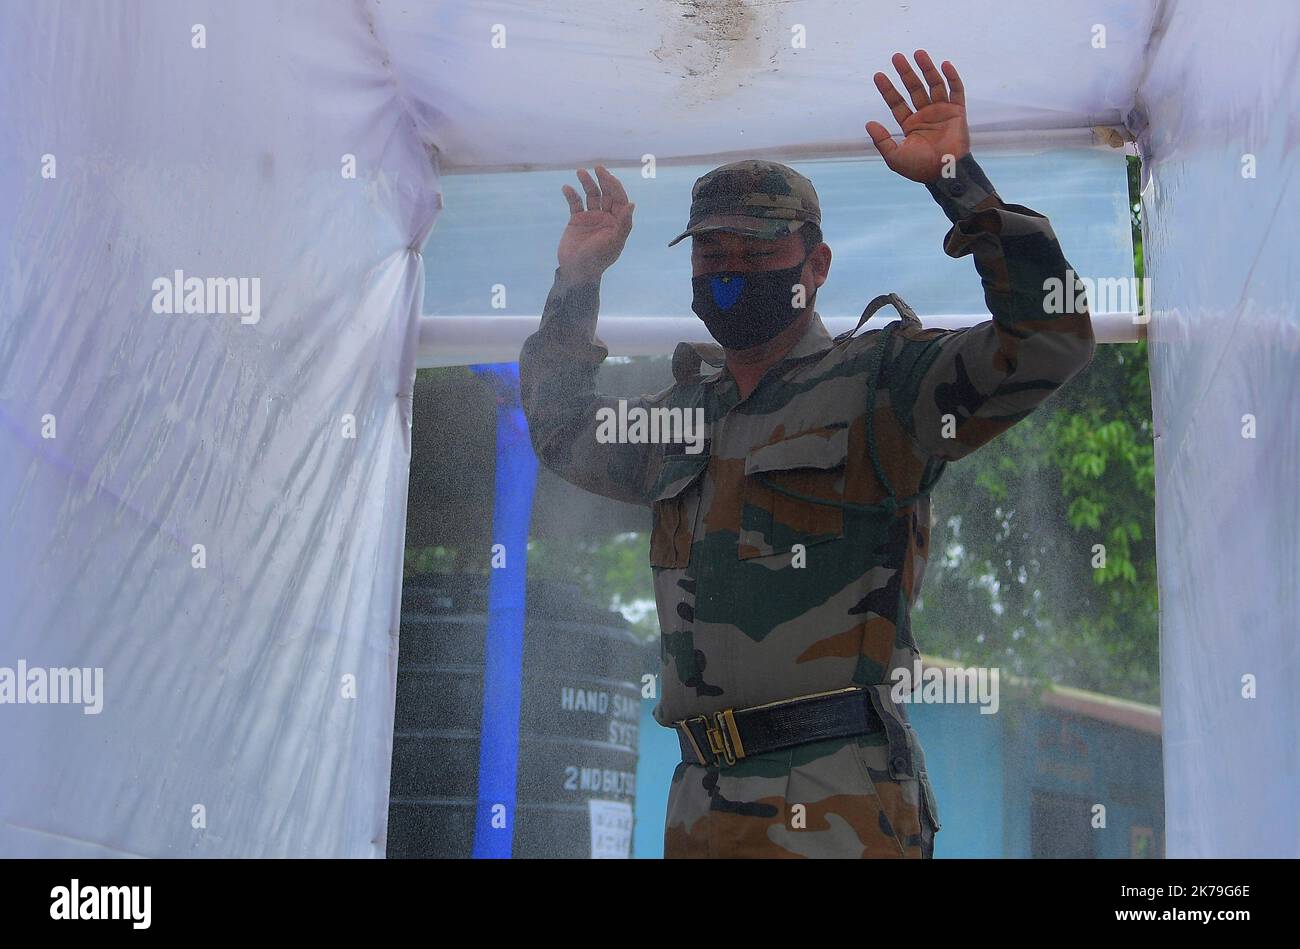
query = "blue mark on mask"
x=726 y=290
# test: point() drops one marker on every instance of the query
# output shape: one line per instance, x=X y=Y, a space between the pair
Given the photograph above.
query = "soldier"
x=787 y=554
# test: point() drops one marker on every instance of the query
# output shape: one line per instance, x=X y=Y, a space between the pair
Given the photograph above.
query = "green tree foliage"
x=1043 y=559
x=616 y=572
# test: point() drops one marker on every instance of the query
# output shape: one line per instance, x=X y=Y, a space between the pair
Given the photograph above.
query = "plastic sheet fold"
x=1217 y=114
x=207 y=505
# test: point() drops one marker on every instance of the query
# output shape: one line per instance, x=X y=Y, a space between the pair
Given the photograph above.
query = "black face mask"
x=742 y=310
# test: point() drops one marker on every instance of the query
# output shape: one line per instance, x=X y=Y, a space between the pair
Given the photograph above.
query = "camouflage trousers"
x=859 y=797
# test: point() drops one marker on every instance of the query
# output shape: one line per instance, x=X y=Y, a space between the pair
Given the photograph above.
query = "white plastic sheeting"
x=226 y=726
x=1220 y=95
x=224 y=687
x=515 y=84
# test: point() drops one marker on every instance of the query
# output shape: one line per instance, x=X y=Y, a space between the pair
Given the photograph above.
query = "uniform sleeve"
x=955 y=390
x=568 y=421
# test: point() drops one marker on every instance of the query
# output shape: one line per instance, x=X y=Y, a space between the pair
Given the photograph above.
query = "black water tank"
x=579 y=712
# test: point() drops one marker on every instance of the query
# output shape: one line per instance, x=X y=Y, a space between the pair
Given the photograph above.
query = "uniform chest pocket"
x=673 y=509
x=794 y=492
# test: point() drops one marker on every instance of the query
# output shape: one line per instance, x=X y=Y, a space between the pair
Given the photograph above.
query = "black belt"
x=725 y=737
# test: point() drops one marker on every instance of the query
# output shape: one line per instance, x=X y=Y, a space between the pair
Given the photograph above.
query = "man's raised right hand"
x=594 y=236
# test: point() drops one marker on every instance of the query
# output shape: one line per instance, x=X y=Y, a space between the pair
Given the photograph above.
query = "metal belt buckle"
x=723 y=736
x=724 y=739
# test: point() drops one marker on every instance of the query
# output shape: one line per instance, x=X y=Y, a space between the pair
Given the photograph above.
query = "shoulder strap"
x=688 y=357
x=875 y=372
x=906 y=312
x=930 y=475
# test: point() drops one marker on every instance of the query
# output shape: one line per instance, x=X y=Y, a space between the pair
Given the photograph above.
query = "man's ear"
x=819 y=259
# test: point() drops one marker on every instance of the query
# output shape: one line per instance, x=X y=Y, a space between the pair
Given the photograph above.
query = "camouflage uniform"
x=833 y=454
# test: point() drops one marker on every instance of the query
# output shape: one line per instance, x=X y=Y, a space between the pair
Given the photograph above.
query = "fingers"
x=611 y=189
x=914 y=86
x=593 y=191
x=575 y=202
x=938 y=90
x=958 y=91
x=881 y=139
x=604 y=192
x=892 y=99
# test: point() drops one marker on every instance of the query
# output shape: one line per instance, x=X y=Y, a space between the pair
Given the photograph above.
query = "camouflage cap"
x=752 y=197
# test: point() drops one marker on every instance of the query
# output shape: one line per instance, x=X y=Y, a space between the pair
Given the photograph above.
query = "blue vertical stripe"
x=516 y=475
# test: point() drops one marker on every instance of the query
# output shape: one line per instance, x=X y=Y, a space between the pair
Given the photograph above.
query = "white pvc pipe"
x=462 y=340
x=1110 y=134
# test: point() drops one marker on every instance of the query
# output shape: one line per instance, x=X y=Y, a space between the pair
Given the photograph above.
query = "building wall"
x=1074 y=764
x=964 y=756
